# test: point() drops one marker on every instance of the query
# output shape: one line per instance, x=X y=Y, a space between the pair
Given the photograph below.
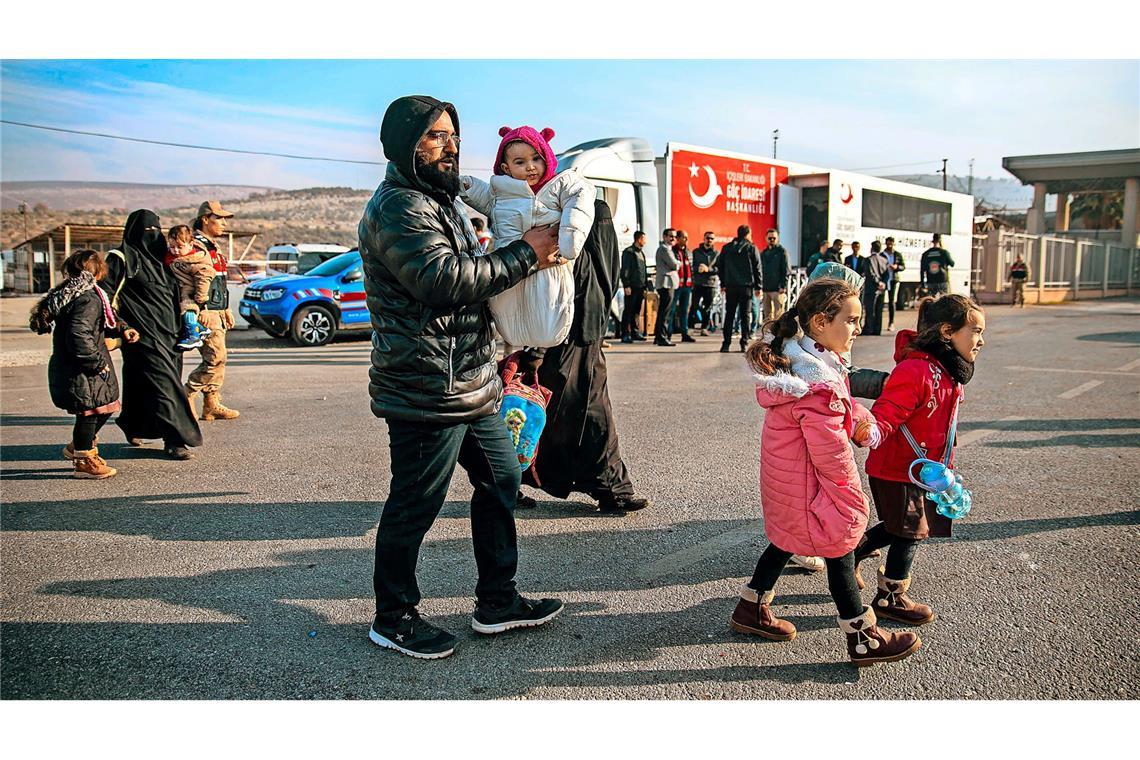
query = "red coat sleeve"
x=905 y=391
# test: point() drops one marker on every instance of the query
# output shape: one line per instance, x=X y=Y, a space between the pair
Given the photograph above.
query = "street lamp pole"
x=775 y=137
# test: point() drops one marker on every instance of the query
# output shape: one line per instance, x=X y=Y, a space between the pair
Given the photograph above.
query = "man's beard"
x=442 y=179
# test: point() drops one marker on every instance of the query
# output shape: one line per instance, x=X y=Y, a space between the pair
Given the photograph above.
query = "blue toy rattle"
x=943 y=486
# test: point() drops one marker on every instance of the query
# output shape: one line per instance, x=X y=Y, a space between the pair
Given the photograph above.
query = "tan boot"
x=754 y=615
x=213 y=409
x=868 y=644
x=90 y=466
x=891 y=601
x=69 y=449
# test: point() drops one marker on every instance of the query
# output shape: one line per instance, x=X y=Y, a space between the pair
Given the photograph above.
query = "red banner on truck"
x=719 y=193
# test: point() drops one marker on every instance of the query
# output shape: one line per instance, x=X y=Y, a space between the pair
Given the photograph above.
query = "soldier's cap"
x=213 y=207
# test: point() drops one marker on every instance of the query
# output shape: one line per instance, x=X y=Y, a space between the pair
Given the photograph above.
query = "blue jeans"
x=424 y=456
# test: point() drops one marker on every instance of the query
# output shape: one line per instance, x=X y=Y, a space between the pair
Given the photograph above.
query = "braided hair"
x=823 y=296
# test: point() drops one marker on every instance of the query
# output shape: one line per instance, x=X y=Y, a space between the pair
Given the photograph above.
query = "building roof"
x=84 y=235
x=1075 y=172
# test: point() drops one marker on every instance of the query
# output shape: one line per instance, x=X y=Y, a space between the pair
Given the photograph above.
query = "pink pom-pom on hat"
x=540 y=141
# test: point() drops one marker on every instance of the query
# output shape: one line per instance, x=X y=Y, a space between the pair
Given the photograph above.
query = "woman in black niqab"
x=146 y=298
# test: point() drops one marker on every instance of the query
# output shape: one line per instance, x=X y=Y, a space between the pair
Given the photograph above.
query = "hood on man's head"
x=405 y=123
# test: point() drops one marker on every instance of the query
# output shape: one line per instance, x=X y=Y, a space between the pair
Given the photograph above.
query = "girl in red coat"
x=809 y=483
x=923 y=392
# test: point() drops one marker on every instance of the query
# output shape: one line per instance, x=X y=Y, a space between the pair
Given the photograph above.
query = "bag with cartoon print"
x=523 y=410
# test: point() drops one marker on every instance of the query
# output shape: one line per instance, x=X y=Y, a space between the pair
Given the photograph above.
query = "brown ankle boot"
x=213 y=409
x=90 y=466
x=69 y=449
x=753 y=615
x=892 y=602
x=868 y=644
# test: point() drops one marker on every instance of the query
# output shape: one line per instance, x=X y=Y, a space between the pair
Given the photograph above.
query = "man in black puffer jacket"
x=433 y=376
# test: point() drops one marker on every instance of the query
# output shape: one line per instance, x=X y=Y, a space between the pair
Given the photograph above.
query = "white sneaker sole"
x=500 y=627
x=381 y=641
x=808 y=565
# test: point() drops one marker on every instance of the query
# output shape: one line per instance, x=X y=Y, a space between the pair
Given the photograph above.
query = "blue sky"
x=843 y=114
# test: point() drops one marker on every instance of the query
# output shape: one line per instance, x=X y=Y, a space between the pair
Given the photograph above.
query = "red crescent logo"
x=846 y=194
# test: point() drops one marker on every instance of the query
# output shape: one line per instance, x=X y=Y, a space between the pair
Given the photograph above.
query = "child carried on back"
x=194 y=271
x=526 y=193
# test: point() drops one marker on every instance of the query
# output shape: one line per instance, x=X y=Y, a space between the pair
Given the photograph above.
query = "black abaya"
x=154 y=403
x=579 y=446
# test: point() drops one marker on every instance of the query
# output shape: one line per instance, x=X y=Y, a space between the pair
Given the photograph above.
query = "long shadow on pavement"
x=268 y=652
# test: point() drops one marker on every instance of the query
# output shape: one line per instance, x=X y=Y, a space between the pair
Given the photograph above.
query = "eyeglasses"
x=442 y=138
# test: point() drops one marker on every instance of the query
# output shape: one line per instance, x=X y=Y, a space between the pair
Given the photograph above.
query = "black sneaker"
x=724 y=349
x=412 y=635
x=621 y=504
x=686 y=338
x=522 y=613
x=522 y=501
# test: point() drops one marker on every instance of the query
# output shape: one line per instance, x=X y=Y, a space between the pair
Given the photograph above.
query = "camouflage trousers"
x=211 y=373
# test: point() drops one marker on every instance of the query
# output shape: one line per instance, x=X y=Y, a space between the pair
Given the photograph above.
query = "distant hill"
x=312 y=215
x=107 y=196
x=996 y=193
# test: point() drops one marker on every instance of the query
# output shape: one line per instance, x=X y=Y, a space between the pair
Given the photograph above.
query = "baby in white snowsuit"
x=525 y=193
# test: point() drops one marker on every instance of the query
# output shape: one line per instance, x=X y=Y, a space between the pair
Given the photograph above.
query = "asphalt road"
x=246 y=573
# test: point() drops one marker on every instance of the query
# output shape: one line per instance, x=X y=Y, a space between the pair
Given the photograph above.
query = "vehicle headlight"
x=272 y=294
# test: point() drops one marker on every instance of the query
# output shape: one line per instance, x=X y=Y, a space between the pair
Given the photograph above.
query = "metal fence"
x=1084 y=266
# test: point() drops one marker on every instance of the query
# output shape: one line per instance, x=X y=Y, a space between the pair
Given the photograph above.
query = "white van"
x=299 y=258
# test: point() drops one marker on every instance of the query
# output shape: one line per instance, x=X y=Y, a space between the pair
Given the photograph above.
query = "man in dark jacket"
x=934 y=267
x=875 y=271
x=633 y=279
x=774 y=271
x=704 y=275
x=433 y=377
x=579 y=449
x=834 y=253
x=739 y=268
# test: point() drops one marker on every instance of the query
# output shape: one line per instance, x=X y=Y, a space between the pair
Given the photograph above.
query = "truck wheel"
x=312 y=326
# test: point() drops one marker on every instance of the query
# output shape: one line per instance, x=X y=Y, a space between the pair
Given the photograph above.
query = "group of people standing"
x=686 y=283
x=132 y=300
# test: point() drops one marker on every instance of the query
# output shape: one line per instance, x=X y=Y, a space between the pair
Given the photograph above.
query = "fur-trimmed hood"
x=812 y=366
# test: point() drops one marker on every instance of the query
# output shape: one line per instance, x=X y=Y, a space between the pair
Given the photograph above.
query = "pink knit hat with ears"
x=535 y=139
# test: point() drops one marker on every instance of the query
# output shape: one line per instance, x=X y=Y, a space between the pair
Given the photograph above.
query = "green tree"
x=1098 y=211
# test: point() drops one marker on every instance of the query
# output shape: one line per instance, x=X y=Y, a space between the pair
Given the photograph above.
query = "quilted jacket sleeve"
x=867 y=383
x=576 y=199
x=829 y=448
x=194 y=278
x=412 y=244
x=905 y=391
x=80 y=324
x=477 y=194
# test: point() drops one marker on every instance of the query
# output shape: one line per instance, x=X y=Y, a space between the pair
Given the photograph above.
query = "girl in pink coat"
x=809 y=485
